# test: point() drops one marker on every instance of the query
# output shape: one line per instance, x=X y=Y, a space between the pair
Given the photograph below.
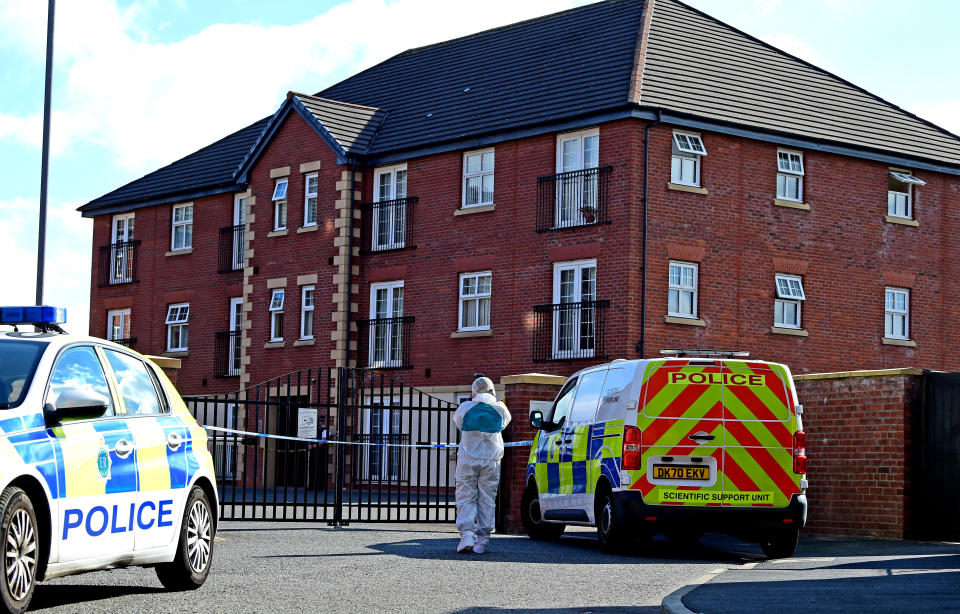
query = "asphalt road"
x=274 y=567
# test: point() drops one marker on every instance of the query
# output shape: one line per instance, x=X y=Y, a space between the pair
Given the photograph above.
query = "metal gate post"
x=343 y=389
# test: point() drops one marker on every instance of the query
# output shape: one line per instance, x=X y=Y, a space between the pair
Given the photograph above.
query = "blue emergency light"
x=39 y=314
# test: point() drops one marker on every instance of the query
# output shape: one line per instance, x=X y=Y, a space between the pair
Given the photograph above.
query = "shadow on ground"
x=54 y=595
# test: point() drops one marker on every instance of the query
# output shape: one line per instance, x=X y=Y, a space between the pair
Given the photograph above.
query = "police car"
x=101 y=463
x=693 y=442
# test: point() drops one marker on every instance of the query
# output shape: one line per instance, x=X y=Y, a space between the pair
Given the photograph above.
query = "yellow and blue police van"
x=696 y=441
x=101 y=463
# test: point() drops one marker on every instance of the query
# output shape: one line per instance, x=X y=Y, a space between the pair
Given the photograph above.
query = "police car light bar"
x=701 y=352
x=39 y=315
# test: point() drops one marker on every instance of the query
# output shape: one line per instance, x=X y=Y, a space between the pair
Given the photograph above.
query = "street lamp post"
x=45 y=156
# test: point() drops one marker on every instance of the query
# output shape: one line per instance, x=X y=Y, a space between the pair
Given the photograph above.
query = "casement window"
x=118 y=325
x=233 y=348
x=475 y=301
x=306 y=312
x=688 y=149
x=310 y=200
x=786 y=307
x=896 y=313
x=478 y=178
x=280 y=205
x=178 y=317
x=682 y=295
x=900 y=193
x=182 y=227
x=121 y=249
x=390 y=207
x=276 y=315
x=574 y=308
x=578 y=153
x=386 y=326
x=790 y=175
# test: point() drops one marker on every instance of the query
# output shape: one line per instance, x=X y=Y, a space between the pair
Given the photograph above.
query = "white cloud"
x=945 y=114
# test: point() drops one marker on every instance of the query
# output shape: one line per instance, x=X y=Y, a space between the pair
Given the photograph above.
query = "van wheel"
x=532 y=519
x=780 y=544
x=21 y=550
x=611 y=533
x=190 y=568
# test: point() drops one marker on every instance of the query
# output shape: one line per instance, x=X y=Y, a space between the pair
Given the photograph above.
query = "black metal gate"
x=935 y=467
x=384 y=462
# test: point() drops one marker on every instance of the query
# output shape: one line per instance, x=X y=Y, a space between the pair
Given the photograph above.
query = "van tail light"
x=632 y=459
x=799 y=452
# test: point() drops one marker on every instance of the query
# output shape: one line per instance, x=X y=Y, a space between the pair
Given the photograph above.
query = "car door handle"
x=567 y=441
x=123 y=448
x=701 y=436
x=174 y=440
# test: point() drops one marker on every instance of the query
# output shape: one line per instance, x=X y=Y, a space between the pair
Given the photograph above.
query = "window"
x=177 y=317
x=386 y=327
x=280 y=205
x=897 y=314
x=790 y=175
x=561 y=407
x=786 y=307
x=233 y=348
x=137 y=387
x=574 y=298
x=182 y=227
x=478 y=178
x=475 y=301
x=310 y=202
x=118 y=324
x=588 y=397
x=685 y=163
x=900 y=193
x=79 y=367
x=306 y=313
x=577 y=153
x=276 y=315
x=390 y=217
x=682 y=298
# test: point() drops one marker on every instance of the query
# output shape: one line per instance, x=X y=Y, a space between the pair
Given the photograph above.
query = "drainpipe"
x=643 y=273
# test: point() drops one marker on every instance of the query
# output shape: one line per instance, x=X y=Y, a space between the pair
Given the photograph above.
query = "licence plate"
x=681 y=472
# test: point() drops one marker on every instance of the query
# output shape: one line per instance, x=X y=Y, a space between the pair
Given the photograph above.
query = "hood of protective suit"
x=480 y=422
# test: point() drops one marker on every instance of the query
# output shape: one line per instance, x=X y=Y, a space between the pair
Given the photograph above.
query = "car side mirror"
x=75 y=404
x=536 y=419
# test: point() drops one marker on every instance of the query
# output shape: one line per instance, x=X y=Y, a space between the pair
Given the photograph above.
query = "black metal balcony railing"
x=384 y=463
x=384 y=343
x=388 y=224
x=231 y=249
x=568 y=331
x=226 y=353
x=118 y=263
x=128 y=342
x=574 y=198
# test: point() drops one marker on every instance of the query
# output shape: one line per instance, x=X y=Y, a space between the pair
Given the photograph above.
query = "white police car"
x=101 y=463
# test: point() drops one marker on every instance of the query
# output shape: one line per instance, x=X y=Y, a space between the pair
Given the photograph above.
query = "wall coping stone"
x=533 y=378
x=165 y=362
x=848 y=374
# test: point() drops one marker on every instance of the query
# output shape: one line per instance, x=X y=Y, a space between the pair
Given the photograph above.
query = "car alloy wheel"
x=20 y=555
x=198 y=536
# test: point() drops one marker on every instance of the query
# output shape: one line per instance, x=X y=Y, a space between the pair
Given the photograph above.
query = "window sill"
x=303 y=229
x=302 y=342
x=277 y=233
x=903 y=221
x=474 y=209
x=907 y=343
x=791 y=204
x=179 y=252
x=274 y=344
x=796 y=332
x=176 y=354
x=686 y=188
x=684 y=321
x=463 y=334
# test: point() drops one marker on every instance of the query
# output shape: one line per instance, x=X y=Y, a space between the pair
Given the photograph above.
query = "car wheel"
x=610 y=532
x=21 y=549
x=190 y=568
x=780 y=544
x=532 y=519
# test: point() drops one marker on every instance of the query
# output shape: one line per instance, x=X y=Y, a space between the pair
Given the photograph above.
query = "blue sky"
x=140 y=83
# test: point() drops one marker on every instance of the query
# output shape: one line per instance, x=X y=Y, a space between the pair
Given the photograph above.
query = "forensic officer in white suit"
x=478 y=464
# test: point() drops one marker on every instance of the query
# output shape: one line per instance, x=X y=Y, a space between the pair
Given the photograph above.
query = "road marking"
x=812 y=559
x=749 y=565
x=672 y=603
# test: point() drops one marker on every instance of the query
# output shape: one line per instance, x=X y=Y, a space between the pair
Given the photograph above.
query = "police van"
x=692 y=442
x=101 y=463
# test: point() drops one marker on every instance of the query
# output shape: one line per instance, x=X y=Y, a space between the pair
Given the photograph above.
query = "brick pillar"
x=520 y=390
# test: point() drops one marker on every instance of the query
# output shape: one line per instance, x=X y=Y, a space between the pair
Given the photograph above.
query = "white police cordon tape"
x=219 y=429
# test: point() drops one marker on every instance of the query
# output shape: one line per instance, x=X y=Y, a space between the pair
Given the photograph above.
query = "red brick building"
x=554 y=205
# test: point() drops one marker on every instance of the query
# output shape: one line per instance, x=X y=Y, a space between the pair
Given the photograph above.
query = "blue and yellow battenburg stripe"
x=576 y=468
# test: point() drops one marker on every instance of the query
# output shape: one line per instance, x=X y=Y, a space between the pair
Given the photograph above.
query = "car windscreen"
x=18 y=363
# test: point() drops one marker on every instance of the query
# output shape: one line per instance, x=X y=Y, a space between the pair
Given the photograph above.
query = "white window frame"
x=579 y=192
x=579 y=266
x=233 y=351
x=897 y=199
x=788 y=291
x=280 y=204
x=396 y=239
x=280 y=189
x=476 y=298
x=680 y=288
x=388 y=329
x=481 y=174
x=124 y=315
x=178 y=318
x=275 y=308
x=121 y=259
x=892 y=312
x=788 y=171
x=185 y=223
x=307 y=196
x=306 y=310
x=686 y=147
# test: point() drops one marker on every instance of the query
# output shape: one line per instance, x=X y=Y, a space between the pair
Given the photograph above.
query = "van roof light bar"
x=679 y=353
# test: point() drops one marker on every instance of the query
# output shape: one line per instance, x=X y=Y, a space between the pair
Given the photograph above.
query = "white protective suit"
x=478 y=462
